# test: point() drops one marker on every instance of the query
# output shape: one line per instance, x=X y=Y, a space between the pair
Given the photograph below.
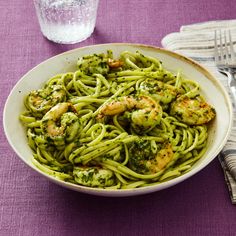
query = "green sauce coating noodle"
x=117 y=123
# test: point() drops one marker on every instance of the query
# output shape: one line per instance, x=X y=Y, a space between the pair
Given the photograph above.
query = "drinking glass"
x=66 y=21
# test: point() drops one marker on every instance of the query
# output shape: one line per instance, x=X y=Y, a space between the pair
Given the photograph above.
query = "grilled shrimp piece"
x=144 y=112
x=91 y=64
x=43 y=99
x=146 y=161
x=165 y=93
x=192 y=111
x=115 y=63
x=93 y=176
x=98 y=63
x=59 y=122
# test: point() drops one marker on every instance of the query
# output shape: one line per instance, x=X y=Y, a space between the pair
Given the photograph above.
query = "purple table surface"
x=31 y=205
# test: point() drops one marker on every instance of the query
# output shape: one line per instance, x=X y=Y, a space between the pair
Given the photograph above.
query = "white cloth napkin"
x=197 y=42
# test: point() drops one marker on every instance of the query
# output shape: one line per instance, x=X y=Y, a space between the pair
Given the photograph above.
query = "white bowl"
x=211 y=89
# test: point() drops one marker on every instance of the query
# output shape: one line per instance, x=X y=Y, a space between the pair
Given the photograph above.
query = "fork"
x=225 y=58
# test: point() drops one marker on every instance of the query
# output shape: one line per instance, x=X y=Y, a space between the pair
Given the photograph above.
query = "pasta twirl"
x=117 y=123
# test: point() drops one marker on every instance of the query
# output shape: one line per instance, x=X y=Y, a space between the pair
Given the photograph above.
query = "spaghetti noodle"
x=117 y=124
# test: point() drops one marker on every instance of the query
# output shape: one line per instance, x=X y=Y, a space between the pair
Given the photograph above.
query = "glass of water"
x=66 y=21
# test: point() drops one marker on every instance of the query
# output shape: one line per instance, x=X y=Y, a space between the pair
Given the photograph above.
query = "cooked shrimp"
x=144 y=161
x=115 y=63
x=145 y=112
x=58 y=122
x=94 y=64
x=43 y=99
x=192 y=111
x=94 y=176
x=163 y=92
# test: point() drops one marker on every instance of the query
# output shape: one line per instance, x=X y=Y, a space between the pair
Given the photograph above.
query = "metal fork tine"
x=216 y=51
x=221 y=48
x=227 y=54
x=225 y=58
x=232 y=52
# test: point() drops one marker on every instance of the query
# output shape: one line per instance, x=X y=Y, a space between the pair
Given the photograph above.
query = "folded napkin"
x=197 y=42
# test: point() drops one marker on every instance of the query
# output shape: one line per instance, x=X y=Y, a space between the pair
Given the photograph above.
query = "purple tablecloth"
x=30 y=205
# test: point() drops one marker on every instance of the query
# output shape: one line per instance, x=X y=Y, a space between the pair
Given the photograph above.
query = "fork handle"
x=232 y=85
x=233 y=92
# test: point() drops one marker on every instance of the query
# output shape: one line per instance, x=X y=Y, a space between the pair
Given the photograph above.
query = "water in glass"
x=66 y=21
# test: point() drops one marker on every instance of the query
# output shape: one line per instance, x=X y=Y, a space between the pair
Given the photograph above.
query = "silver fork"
x=225 y=58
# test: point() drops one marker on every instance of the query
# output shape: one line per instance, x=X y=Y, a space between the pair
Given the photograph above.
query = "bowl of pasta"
x=117 y=119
